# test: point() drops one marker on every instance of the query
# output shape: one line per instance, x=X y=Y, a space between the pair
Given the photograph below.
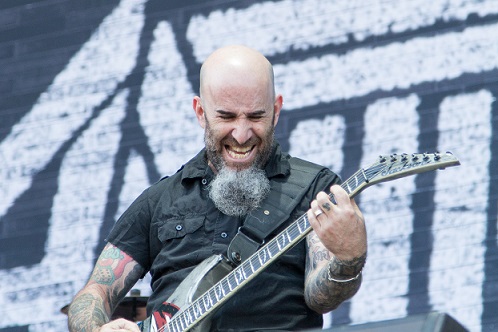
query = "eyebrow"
x=258 y=112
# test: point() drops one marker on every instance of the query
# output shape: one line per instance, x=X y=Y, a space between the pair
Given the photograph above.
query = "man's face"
x=223 y=149
x=239 y=126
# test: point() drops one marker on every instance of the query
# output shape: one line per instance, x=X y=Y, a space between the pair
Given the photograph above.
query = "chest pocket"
x=177 y=228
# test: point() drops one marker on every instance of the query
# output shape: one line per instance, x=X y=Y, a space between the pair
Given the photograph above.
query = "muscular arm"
x=113 y=276
x=322 y=294
x=337 y=250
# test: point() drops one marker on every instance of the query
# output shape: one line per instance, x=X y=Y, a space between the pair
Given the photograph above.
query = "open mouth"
x=239 y=152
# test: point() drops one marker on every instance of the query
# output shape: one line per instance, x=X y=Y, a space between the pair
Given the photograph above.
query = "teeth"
x=238 y=153
x=241 y=150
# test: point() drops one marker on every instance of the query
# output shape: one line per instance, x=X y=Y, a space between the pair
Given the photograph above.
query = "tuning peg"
x=382 y=159
x=425 y=156
x=404 y=157
x=393 y=157
x=437 y=155
x=414 y=157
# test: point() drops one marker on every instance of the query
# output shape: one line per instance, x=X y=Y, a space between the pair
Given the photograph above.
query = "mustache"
x=230 y=140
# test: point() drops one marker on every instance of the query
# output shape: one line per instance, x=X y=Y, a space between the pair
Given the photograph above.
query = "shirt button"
x=179 y=227
x=204 y=181
x=224 y=235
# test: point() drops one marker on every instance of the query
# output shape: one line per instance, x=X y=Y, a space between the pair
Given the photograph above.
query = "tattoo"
x=326 y=206
x=117 y=294
x=321 y=294
x=113 y=276
x=110 y=266
x=85 y=306
x=347 y=268
x=316 y=252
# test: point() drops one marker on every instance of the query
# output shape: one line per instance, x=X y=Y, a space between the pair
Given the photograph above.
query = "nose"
x=243 y=131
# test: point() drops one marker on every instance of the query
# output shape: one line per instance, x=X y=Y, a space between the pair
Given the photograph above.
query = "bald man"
x=184 y=219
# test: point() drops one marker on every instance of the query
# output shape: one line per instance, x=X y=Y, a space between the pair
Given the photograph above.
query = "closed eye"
x=225 y=115
x=257 y=115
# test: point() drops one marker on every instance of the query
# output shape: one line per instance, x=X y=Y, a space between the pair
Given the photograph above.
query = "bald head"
x=235 y=66
x=237 y=108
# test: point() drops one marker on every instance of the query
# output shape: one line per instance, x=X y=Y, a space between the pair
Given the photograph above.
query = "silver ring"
x=318 y=212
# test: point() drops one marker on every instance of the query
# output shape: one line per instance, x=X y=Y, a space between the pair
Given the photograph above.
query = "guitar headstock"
x=390 y=167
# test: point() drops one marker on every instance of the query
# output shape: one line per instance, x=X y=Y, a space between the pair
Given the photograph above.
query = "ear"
x=277 y=106
x=199 y=111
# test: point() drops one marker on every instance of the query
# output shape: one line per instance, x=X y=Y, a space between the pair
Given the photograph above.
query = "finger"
x=324 y=202
x=340 y=195
x=121 y=325
x=312 y=215
x=318 y=212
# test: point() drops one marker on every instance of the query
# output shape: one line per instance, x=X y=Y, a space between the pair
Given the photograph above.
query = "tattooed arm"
x=113 y=276
x=337 y=250
x=321 y=293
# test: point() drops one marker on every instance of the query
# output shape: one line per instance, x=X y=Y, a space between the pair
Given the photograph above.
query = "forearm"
x=333 y=283
x=87 y=312
x=113 y=276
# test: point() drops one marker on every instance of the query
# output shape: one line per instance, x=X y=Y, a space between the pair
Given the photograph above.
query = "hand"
x=340 y=227
x=121 y=325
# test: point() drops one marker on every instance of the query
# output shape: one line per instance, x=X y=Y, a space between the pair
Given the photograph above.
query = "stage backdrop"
x=95 y=105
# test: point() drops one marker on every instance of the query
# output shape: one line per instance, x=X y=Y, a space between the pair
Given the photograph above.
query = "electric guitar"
x=215 y=280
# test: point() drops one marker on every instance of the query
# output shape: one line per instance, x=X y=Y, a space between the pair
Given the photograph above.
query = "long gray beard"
x=235 y=193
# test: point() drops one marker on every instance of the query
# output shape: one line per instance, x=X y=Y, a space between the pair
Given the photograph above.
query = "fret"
x=269 y=252
x=281 y=241
x=204 y=301
x=262 y=260
x=233 y=280
x=196 y=313
x=278 y=245
x=364 y=175
x=299 y=225
x=188 y=313
x=222 y=289
x=239 y=276
x=212 y=297
x=202 y=308
x=288 y=235
x=183 y=324
x=247 y=267
x=175 y=323
x=197 y=309
x=355 y=184
x=226 y=285
x=251 y=265
x=218 y=292
x=348 y=189
x=229 y=279
x=305 y=222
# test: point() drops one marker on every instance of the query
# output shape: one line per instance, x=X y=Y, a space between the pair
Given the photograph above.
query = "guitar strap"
x=285 y=194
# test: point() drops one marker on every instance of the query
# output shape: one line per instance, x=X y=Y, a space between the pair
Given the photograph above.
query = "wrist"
x=342 y=271
x=341 y=279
